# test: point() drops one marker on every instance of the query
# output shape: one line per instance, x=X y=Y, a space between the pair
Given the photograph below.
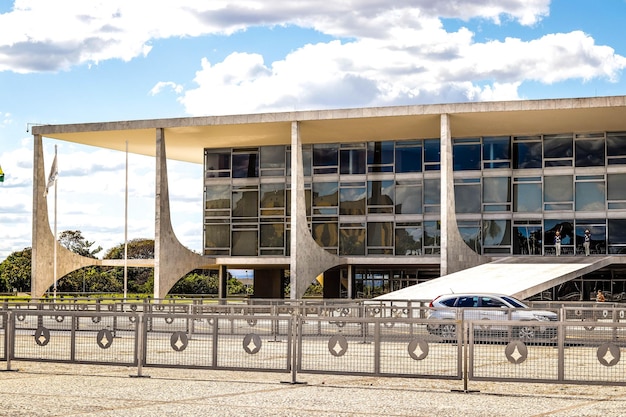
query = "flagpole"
x=126 y=228
x=55 y=230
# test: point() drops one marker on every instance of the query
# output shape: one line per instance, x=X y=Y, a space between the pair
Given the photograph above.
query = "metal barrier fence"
x=583 y=347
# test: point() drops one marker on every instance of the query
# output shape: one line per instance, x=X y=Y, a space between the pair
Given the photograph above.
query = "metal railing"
x=583 y=347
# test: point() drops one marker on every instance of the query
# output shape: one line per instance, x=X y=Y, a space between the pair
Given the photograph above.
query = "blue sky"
x=74 y=61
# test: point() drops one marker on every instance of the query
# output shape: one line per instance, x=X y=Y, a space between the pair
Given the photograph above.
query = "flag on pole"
x=1 y=175
x=54 y=173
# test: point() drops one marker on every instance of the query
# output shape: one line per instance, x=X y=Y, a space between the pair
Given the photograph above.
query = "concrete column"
x=223 y=281
x=455 y=254
x=172 y=260
x=42 y=261
x=307 y=259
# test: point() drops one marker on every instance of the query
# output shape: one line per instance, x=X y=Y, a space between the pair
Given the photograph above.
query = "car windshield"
x=514 y=302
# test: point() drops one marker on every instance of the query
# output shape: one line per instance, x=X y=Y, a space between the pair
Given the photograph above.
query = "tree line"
x=15 y=271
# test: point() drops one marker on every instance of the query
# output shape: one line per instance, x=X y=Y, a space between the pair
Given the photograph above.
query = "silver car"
x=489 y=307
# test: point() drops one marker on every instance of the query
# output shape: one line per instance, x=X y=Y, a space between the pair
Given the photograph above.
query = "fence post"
x=295 y=334
x=9 y=344
x=141 y=345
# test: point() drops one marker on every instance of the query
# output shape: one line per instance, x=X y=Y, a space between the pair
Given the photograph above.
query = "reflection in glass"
x=245 y=243
x=272 y=195
x=597 y=229
x=527 y=240
x=325 y=155
x=307 y=160
x=615 y=186
x=590 y=152
x=325 y=194
x=432 y=191
x=273 y=157
x=245 y=203
x=470 y=232
x=465 y=156
x=590 y=196
x=380 y=193
x=379 y=153
x=409 y=240
x=352 y=161
x=408 y=198
x=496 y=232
x=496 y=190
x=352 y=241
x=527 y=197
x=408 y=158
x=272 y=235
x=616 y=148
x=352 y=201
x=379 y=234
x=564 y=227
x=467 y=198
x=617 y=236
x=498 y=151
x=432 y=237
x=217 y=197
x=217 y=236
x=245 y=165
x=432 y=157
x=217 y=163
x=527 y=155
x=325 y=233
x=558 y=146
x=558 y=188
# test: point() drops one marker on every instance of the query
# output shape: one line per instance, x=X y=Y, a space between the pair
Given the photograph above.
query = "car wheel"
x=524 y=333
x=448 y=331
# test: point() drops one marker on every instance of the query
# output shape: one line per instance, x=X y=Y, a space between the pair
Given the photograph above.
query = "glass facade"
x=383 y=198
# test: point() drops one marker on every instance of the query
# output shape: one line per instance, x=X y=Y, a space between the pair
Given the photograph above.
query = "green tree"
x=74 y=241
x=140 y=280
x=15 y=271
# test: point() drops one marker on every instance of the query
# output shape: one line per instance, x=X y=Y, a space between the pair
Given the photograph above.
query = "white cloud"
x=162 y=85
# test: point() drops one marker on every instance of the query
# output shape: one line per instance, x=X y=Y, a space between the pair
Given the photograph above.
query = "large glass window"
x=326 y=231
x=496 y=194
x=217 y=200
x=527 y=237
x=380 y=238
x=558 y=192
x=325 y=197
x=597 y=234
x=432 y=237
x=273 y=199
x=273 y=161
x=380 y=156
x=616 y=148
x=432 y=155
x=617 y=236
x=496 y=236
x=352 y=239
x=565 y=227
x=408 y=197
x=466 y=154
x=245 y=243
x=409 y=239
x=217 y=239
x=352 y=159
x=273 y=236
x=590 y=193
x=527 y=195
x=245 y=202
x=558 y=150
x=470 y=232
x=432 y=195
x=590 y=150
x=527 y=152
x=467 y=195
x=497 y=152
x=409 y=156
x=352 y=199
x=325 y=158
x=616 y=191
x=380 y=196
x=245 y=163
x=217 y=163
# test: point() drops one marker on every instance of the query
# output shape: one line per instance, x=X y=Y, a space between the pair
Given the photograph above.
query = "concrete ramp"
x=520 y=277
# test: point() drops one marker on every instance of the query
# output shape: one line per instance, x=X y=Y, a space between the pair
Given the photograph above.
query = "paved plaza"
x=44 y=389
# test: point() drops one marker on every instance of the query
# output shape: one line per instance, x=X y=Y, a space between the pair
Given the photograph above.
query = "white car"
x=489 y=307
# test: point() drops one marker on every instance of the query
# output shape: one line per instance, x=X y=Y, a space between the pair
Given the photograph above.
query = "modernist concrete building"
x=379 y=199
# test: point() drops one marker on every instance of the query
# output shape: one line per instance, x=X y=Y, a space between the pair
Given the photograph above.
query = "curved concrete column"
x=42 y=261
x=172 y=260
x=455 y=254
x=307 y=258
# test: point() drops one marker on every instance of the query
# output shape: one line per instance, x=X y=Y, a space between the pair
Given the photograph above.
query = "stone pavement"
x=50 y=389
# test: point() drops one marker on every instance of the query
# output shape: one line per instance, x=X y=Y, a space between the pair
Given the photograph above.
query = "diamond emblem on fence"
x=42 y=336
x=608 y=354
x=252 y=343
x=516 y=352
x=179 y=341
x=418 y=349
x=338 y=345
x=104 y=339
